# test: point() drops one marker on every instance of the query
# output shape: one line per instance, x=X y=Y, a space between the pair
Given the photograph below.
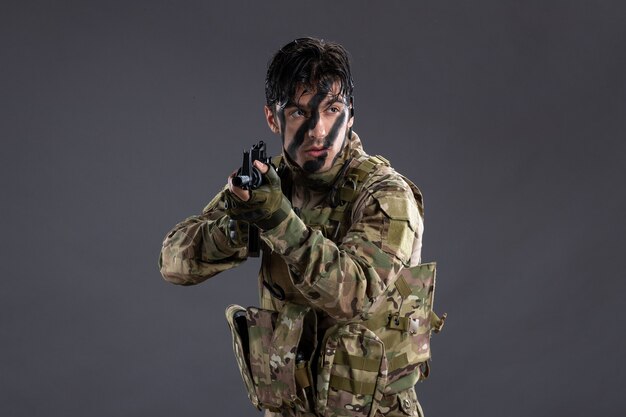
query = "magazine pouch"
x=404 y=319
x=273 y=351
x=352 y=372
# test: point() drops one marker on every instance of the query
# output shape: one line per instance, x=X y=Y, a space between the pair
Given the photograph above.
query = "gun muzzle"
x=242 y=181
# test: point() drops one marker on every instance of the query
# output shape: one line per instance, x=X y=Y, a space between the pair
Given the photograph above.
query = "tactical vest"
x=386 y=351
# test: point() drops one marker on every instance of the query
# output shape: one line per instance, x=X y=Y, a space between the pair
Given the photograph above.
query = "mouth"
x=316 y=151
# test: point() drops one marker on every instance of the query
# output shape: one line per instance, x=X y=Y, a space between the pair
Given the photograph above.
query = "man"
x=337 y=226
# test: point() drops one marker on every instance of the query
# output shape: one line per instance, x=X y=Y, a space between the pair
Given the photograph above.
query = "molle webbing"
x=363 y=364
x=352 y=371
x=350 y=385
x=356 y=362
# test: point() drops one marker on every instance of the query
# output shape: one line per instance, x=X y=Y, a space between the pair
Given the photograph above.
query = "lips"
x=316 y=151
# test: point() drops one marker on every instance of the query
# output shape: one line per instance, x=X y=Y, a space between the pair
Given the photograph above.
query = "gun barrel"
x=241 y=181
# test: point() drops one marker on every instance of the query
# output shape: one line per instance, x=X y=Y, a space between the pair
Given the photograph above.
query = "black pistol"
x=250 y=178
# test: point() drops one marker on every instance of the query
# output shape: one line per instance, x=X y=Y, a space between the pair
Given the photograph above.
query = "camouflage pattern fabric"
x=404 y=321
x=268 y=348
x=342 y=275
x=200 y=246
x=401 y=404
x=340 y=269
x=353 y=372
x=241 y=348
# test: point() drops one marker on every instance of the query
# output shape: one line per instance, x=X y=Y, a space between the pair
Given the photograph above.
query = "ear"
x=270 y=118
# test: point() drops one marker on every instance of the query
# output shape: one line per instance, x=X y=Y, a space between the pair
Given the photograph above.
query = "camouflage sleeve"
x=200 y=247
x=345 y=279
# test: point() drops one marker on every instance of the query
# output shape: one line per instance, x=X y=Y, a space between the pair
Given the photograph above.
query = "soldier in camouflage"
x=337 y=228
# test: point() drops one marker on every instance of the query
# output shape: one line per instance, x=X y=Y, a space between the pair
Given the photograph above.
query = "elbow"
x=178 y=279
x=175 y=271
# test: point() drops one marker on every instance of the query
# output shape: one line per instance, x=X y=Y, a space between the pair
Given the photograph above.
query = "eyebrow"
x=326 y=102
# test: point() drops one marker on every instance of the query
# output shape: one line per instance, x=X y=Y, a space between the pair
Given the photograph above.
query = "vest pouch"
x=404 y=322
x=236 y=316
x=352 y=372
x=273 y=352
x=416 y=286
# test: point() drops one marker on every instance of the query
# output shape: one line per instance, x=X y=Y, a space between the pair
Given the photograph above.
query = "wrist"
x=277 y=217
x=287 y=236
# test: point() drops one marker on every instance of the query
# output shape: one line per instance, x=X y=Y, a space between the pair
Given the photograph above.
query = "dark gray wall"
x=119 y=119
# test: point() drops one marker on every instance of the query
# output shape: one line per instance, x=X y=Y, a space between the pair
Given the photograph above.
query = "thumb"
x=271 y=176
x=261 y=166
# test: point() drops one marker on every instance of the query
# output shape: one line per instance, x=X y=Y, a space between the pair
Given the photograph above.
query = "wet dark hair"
x=314 y=63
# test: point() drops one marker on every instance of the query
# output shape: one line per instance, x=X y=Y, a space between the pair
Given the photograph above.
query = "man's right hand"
x=244 y=195
x=265 y=206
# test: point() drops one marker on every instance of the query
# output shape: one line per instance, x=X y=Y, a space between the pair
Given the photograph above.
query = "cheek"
x=337 y=131
x=289 y=135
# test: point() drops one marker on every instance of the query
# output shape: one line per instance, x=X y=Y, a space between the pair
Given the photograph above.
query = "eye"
x=334 y=108
x=297 y=113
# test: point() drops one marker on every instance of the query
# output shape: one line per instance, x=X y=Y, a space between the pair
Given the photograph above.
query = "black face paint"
x=333 y=134
x=309 y=124
x=316 y=164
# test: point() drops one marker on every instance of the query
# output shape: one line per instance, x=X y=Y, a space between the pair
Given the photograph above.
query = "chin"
x=314 y=166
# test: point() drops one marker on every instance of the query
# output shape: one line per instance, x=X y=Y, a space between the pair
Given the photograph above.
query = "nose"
x=317 y=128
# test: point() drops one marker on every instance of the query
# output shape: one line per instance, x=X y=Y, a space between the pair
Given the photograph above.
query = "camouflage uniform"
x=340 y=269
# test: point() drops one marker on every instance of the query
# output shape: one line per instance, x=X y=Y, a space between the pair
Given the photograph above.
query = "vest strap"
x=393 y=321
x=437 y=322
x=338 y=213
x=356 y=362
x=350 y=385
x=403 y=288
x=302 y=375
x=347 y=193
x=398 y=362
x=405 y=324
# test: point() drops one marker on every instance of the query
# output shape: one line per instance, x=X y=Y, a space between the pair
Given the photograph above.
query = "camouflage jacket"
x=340 y=273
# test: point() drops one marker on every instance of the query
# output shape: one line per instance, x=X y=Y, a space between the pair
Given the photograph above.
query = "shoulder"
x=385 y=177
x=392 y=205
x=392 y=190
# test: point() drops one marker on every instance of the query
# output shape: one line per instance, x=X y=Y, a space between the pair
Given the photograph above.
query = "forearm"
x=343 y=280
x=199 y=248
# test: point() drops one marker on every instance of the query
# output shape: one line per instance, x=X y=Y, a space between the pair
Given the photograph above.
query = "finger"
x=261 y=166
x=230 y=179
x=241 y=194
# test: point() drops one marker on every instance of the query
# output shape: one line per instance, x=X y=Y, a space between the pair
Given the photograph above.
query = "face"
x=313 y=127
